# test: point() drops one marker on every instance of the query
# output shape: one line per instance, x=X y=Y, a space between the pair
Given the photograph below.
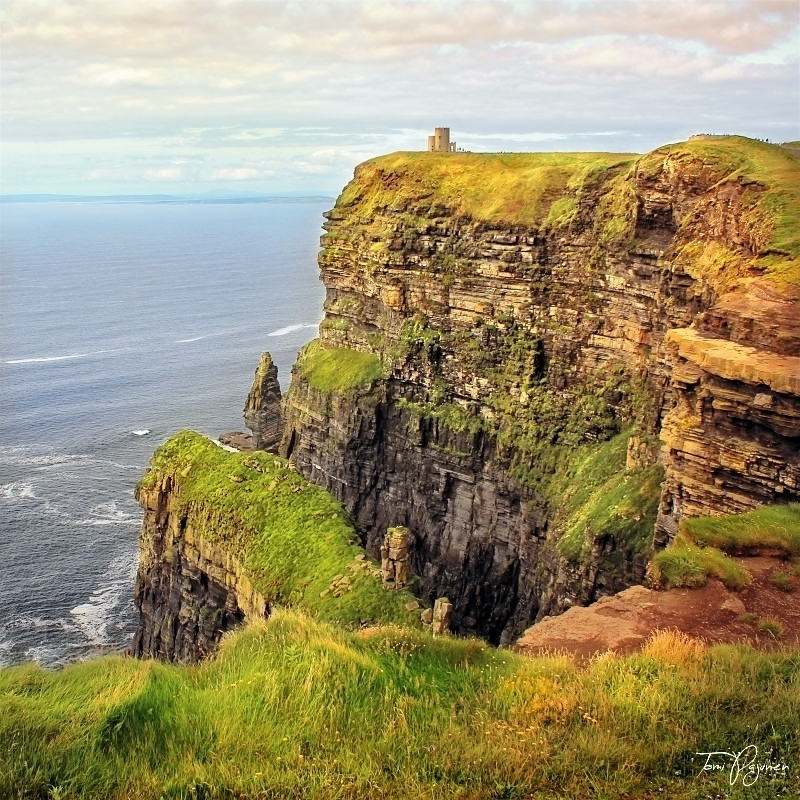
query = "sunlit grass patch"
x=336 y=369
x=703 y=544
x=293 y=707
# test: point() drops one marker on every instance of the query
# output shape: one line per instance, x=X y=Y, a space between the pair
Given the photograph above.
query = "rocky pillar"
x=262 y=411
x=394 y=557
x=441 y=616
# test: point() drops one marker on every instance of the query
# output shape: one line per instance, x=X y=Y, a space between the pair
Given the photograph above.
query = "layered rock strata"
x=262 y=410
x=189 y=591
x=513 y=338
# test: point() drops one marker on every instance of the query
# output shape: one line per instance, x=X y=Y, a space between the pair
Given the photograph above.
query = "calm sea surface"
x=116 y=319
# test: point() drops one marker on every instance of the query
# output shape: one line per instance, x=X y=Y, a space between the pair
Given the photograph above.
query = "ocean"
x=122 y=323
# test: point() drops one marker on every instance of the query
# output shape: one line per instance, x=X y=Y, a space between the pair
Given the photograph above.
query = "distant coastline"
x=215 y=199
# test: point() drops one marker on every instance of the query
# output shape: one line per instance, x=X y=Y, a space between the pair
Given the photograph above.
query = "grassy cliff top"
x=543 y=190
x=292 y=538
x=295 y=708
x=515 y=188
x=337 y=369
x=774 y=170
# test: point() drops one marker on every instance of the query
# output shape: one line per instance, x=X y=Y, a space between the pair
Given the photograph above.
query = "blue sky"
x=186 y=96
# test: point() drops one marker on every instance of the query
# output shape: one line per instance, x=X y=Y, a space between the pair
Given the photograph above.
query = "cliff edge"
x=541 y=363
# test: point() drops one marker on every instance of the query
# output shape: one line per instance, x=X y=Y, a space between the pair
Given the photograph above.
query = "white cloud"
x=256 y=90
x=239 y=174
x=162 y=174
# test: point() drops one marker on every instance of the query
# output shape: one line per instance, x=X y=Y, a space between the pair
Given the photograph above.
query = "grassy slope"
x=598 y=495
x=515 y=188
x=298 y=709
x=699 y=550
x=291 y=537
x=337 y=369
x=772 y=206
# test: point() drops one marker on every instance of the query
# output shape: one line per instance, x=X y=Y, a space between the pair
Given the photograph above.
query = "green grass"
x=512 y=188
x=291 y=538
x=602 y=498
x=771 y=627
x=782 y=580
x=774 y=527
x=684 y=563
x=771 y=205
x=700 y=547
x=294 y=708
x=334 y=369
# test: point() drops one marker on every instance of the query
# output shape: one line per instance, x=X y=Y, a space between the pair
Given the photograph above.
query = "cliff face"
x=227 y=535
x=188 y=590
x=530 y=313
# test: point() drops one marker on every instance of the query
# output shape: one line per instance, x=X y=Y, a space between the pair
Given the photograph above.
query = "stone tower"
x=440 y=141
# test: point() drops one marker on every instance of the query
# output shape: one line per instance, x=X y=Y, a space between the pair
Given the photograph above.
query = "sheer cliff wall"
x=540 y=363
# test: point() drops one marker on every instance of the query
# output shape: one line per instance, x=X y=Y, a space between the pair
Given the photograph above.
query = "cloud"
x=251 y=90
x=238 y=174
x=162 y=174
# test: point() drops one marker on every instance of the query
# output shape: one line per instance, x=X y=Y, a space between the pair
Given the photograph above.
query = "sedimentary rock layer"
x=189 y=591
x=528 y=308
x=262 y=410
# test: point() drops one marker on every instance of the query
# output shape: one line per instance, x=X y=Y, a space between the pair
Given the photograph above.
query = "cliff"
x=228 y=535
x=540 y=363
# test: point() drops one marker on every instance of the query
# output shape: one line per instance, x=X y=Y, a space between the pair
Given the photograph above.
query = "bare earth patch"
x=712 y=613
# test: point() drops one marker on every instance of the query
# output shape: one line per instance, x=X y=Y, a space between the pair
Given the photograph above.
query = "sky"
x=276 y=97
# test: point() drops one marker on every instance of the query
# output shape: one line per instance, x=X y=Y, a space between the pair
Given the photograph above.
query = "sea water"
x=121 y=324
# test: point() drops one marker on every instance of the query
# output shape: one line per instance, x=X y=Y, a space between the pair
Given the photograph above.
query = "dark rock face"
x=189 y=592
x=479 y=536
x=262 y=410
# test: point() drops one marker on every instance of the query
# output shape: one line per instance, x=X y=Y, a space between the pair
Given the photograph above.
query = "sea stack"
x=262 y=410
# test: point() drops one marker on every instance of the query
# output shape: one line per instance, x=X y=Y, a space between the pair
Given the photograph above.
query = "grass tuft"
x=771 y=627
x=782 y=580
x=337 y=369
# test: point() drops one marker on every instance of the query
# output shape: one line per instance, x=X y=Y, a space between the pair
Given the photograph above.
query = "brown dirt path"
x=712 y=613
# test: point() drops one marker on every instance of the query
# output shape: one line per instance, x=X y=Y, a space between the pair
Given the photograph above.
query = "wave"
x=198 y=338
x=47 y=359
x=108 y=513
x=17 y=491
x=57 y=459
x=96 y=615
x=292 y=328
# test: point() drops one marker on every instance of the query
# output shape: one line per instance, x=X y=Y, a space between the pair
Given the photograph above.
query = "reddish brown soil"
x=713 y=614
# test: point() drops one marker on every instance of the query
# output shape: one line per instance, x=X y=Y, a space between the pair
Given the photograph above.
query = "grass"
x=770 y=206
x=603 y=498
x=783 y=581
x=775 y=527
x=771 y=627
x=334 y=369
x=291 y=538
x=511 y=188
x=295 y=708
x=684 y=563
x=703 y=545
